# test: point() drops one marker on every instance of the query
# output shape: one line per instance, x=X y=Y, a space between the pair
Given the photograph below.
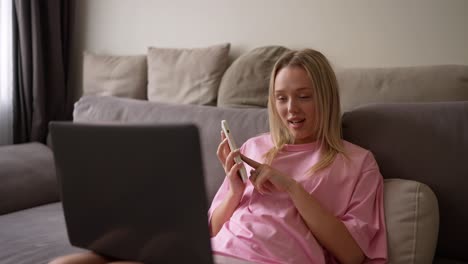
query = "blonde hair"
x=327 y=103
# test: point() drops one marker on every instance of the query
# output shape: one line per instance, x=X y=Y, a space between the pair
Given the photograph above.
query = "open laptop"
x=133 y=192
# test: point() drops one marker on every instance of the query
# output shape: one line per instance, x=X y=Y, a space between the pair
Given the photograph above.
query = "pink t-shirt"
x=269 y=229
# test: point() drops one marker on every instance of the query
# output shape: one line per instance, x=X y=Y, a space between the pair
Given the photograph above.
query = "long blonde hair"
x=327 y=103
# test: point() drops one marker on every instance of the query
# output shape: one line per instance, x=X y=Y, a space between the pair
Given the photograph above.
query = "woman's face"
x=295 y=103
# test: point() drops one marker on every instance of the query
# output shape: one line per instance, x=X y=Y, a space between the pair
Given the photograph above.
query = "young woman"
x=311 y=197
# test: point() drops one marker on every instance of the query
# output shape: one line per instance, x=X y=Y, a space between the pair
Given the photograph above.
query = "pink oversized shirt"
x=269 y=229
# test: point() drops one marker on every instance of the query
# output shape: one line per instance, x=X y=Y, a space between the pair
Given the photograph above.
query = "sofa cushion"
x=412 y=219
x=187 y=76
x=122 y=76
x=245 y=82
x=244 y=123
x=425 y=142
x=360 y=86
x=27 y=177
x=34 y=236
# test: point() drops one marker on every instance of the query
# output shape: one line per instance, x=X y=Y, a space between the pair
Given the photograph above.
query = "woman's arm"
x=223 y=212
x=226 y=208
x=327 y=229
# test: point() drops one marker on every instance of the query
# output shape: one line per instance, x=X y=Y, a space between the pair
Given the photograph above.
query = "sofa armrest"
x=412 y=218
x=27 y=177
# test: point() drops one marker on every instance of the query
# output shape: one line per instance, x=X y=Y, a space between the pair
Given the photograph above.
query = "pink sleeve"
x=364 y=218
x=219 y=197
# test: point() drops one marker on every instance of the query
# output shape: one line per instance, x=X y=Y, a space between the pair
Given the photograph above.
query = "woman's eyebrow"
x=304 y=88
x=295 y=90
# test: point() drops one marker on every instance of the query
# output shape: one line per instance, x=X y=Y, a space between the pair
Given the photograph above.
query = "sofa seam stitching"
x=415 y=232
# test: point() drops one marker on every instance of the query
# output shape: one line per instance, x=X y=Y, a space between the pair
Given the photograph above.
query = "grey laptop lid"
x=133 y=192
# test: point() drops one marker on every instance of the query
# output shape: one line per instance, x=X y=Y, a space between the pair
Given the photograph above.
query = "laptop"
x=133 y=192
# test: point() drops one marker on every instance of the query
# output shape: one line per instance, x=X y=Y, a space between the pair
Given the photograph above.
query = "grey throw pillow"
x=186 y=76
x=121 y=76
x=245 y=83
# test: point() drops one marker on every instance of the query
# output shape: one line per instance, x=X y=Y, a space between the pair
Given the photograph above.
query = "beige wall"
x=358 y=33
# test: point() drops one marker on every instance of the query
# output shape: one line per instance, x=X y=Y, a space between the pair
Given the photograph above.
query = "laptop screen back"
x=133 y=192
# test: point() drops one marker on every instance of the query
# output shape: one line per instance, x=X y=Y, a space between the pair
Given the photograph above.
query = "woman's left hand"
x=266 y=179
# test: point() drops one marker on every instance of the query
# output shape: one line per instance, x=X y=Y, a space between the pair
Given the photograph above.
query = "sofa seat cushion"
x=36 y=235
x=27 y=177
x=412 y=219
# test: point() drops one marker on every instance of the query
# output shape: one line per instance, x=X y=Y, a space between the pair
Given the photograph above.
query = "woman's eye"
x=281 y=98
x=304 y=96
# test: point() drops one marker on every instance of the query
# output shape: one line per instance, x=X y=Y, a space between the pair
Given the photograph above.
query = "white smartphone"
x=233 y=146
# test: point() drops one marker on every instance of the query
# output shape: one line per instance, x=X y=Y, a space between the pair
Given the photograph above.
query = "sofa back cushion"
x=186 y=76
x=245 y=83
x=244 y=123
x=428 y=143
x=110 y=75
x=360 y=86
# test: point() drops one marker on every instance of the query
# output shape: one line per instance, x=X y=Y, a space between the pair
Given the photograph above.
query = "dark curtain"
x=41 y=93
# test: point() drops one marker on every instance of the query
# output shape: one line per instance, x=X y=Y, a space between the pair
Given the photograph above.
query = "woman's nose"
x=292 y=106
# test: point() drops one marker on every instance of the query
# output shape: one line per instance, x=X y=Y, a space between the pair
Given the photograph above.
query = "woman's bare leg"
x=80 y=258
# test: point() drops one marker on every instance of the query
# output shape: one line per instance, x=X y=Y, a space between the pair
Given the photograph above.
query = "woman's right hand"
x=223 y=151
x=226 y=157
x=236 y=185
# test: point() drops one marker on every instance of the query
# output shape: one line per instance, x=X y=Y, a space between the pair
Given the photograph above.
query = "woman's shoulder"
x=352 y=148
x=359 y=155
x=262 y=139
x=259 y=143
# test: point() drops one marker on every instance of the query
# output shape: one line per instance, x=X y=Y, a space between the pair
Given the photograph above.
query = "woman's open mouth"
x=296 y=123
